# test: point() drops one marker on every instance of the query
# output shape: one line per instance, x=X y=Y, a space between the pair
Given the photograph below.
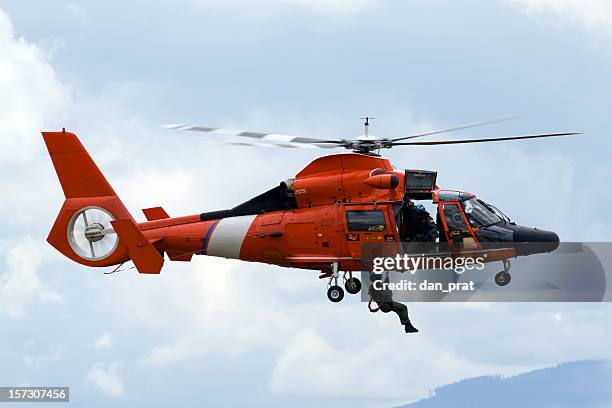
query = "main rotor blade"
x=272 y=137
x=492 y=139
x=283 y=145
x=460 y=127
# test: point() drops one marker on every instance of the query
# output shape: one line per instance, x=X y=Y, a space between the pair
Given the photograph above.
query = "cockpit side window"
x=478 y=214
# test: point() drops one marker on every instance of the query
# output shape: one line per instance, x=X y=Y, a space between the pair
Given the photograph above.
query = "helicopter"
x=317 y=220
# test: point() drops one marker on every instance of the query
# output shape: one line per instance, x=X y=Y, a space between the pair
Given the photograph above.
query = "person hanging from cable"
x=384 y=298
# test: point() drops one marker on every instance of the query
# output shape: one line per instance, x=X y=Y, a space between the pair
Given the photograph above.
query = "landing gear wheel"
x=502 y=278
x=352 y=285
x=335 y=293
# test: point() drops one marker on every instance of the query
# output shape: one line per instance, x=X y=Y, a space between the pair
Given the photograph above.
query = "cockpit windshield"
x=480 y=214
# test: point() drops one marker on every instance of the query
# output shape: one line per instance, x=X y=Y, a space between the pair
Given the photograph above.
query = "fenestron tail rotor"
x=366 y=144
x=91 y=235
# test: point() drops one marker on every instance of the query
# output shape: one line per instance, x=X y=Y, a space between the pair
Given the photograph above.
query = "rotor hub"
x=94 y=232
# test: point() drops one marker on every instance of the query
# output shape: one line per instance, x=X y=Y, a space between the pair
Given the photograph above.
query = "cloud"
x=41 y=360
x=78 y=12
x=334 y=7
x=222 y=308
x=32 y=99
x=51 y=47
x=20 y=282
x=183 y=348
x=32 y=96
x=390 y=368
x=105 y=340
x=593 y=14
x=106 y=379
x=170 y=188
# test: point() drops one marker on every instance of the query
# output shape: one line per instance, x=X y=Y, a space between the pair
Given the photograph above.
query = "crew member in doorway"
x=416 y=224
x=425 y=229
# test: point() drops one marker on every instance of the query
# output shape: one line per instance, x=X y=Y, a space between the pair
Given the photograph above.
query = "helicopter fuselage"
x=318 y=220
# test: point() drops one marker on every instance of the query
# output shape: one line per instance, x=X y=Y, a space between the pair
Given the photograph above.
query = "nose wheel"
x=503 y=278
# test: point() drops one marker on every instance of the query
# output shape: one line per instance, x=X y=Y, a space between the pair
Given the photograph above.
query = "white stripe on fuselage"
x=228 y=236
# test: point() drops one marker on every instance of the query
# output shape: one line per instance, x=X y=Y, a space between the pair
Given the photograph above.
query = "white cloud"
x=222 y=309
x=390 y=368
x=105 y=340
x=106 y=379
x=78 y=12
x=593 y=14
x=334 y=7
x=229 y=309
x=181 y=349
x=20 y=282
x=33 y=99
x=32 y=96
x=51 y=47
x=40 y=360
x=170 y=188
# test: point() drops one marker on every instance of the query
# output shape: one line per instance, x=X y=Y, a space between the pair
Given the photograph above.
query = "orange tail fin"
x=83 y=230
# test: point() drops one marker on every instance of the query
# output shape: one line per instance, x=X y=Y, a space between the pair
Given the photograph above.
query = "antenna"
x=367 y=123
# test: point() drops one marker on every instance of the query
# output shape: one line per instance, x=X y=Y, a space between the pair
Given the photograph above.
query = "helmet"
x=420 y=210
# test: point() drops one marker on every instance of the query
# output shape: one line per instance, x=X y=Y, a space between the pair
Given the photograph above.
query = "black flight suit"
x=386 y=304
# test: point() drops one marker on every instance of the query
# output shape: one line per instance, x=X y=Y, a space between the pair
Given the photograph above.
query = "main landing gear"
x=352 y=285
x=503 y=278
x=335 y=293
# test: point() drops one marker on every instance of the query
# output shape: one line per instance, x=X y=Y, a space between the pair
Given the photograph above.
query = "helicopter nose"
x=540 y=240
x=527 y=234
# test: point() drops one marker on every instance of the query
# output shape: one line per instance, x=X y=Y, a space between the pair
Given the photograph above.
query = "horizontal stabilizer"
x=179 y=255
x=155 y=213
x=144 y=255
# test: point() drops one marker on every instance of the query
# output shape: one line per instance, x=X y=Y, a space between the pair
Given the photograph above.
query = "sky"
x=215 y=331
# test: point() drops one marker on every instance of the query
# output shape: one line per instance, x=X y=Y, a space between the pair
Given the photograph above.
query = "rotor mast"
x=366 y=125
x=366 y=145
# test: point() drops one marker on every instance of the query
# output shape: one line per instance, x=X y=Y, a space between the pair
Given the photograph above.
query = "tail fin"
x=77 y=172
x=83 y=230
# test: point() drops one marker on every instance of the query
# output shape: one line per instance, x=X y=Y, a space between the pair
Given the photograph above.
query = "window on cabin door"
x=366 y=220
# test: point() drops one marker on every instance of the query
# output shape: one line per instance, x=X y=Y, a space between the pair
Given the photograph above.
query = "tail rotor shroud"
x=90 y=233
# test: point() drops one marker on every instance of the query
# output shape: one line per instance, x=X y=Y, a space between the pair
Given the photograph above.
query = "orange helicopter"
x=318 y=220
